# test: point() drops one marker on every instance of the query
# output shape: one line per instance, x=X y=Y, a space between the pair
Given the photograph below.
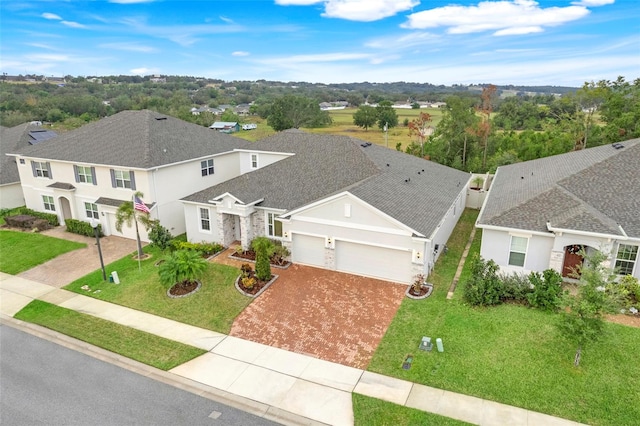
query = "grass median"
x=134 y=344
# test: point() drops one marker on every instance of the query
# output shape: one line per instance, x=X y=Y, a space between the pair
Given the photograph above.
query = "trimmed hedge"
x=52 y=219
x=82 y=228
x=204 y=248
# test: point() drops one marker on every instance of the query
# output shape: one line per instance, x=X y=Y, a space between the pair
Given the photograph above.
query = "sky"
x=442 y=42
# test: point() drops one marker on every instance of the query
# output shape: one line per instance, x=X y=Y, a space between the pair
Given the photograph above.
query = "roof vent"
x=364 y=145
x=407 y=180
x=387 y=164
x=161 y=118
x=617 y=145
x=418 y=172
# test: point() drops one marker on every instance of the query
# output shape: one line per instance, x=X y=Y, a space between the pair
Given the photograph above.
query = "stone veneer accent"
x=225 y=223
x=257 y=223
x=329 y=258
x=246 y=234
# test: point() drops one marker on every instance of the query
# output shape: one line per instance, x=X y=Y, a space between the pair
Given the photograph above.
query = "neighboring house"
x=543 y=213
x=11 y=140
x=337 y=203
x=90 y=171
x=226 y=126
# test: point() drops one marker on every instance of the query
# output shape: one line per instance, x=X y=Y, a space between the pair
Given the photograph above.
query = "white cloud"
x=505 y=17
x=129 y=47
x=240 y=53
x=130 y=1
x=144 y=71
x=52 y=16
x=73 y=24
x=356 y=10
x=227 y=20
x=593 y=3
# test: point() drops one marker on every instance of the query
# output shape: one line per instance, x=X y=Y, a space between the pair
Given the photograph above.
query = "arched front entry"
x=65 y=209
x=572 y=260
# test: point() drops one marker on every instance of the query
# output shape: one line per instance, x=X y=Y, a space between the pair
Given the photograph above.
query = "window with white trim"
x=205 y=219
x=48 y=203
x=122 y=179
x=274 y=226
x=517 y=250
x=626 y=259
x=91 y=210
x=84 y=174
x=254 y=161
x=40 y=169
x=207 y=167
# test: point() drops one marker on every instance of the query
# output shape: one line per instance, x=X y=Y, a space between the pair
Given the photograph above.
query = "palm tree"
x=182 y=266
x=126 y=213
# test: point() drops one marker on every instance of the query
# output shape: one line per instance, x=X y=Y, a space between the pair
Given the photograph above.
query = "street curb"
x=245 y=404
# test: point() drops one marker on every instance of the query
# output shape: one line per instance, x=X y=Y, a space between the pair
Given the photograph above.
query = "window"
x=84 y=174
x=205 y=220
x=254 y=161
x=41 y=169
x=626 y=259
x=122 y=179
x=91 y=210
x=207 y=167
x=274 y=227
x=47 y=200
x=518 y=251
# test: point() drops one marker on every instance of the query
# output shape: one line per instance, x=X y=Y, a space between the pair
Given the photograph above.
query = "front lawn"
x=20 y=251
x=369 y=411
x=135 y=344
x=511 y=354
x=213 y=307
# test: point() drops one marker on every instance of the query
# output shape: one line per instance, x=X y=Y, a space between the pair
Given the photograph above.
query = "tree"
x=182 y=266
x=582 y=319
x=365 y=117
x=126 y=213
x=230 y=116
x=483 y=130
x=293 y=112
x=264 y=248
x=387 y=116
x=450 y=141
x=420 y=127
x=160 y=236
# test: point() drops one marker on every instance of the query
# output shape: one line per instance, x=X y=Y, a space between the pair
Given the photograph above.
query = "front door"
x=65 y=209
x=572 y=259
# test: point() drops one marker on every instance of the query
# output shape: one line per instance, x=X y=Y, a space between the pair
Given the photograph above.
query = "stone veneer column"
x=246 y=234
x=329 y=258
x=220 y=227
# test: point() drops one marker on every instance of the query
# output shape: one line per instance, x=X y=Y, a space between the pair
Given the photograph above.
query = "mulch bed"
x=184 y=288
x=425 y=291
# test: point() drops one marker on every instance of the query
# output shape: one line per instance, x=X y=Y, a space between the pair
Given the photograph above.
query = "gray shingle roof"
x=62 y=185
x=13 y=139
x=324 y=165
x=138 y=139
x=592 y=190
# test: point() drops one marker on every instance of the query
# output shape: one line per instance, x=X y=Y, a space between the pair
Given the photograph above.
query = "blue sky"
x=327 y=41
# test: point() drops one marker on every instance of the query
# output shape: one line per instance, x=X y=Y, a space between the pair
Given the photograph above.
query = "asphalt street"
x=42 y=383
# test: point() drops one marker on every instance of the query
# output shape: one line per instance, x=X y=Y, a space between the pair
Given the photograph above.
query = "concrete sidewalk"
x=299 y=388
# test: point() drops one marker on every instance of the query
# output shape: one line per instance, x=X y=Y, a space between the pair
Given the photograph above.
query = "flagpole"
x=135 y=219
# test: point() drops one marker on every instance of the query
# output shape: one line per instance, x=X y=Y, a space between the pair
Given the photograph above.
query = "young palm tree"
x=182 y=266
x=126 y=213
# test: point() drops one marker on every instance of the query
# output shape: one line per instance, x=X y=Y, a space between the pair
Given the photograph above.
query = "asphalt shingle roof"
x=138 y=139
x=325 y=165
x=593 y=190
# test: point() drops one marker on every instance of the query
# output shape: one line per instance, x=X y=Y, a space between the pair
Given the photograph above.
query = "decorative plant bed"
x=258 y=288
x=425 y=291
x=184 y=289
x=250 y=256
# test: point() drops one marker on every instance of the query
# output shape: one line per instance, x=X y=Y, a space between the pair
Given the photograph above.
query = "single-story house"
x=544 y=213
x=336 y=202
x=89 y=172
x=12 y=139
x=226 y=126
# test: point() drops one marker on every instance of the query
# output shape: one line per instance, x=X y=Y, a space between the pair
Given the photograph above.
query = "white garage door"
x=384 y=263
x=307 y=250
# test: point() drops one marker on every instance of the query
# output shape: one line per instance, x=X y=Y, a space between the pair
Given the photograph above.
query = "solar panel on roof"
x=37 y=136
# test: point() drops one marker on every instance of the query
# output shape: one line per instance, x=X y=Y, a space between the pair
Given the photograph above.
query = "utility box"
x=115 y=278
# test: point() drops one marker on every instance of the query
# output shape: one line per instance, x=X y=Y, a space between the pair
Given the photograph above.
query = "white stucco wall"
x=192 y=224
x=11 y=196
x=443 y=232
x=264 y=159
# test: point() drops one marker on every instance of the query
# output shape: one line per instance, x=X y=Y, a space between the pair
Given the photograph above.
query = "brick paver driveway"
x=333 y=316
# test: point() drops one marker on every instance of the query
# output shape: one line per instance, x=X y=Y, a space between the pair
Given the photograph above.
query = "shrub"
x=82 y=228
x=248 y=282
x=264 y=248
x=629 y=289
x=418 y=281
x=181 y=265
x=206 y=249
x=160 y=236
x=547 y=290
x=280 y=253
x=515 y=287
x=49 y=217
x=484 y=287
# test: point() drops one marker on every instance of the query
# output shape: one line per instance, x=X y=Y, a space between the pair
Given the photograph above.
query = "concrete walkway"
x=284 y=386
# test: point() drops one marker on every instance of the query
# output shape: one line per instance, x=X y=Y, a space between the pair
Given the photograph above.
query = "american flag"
x=139 y=205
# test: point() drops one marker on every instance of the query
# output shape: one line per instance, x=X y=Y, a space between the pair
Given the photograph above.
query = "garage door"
x=307 y=250
x=371 y=261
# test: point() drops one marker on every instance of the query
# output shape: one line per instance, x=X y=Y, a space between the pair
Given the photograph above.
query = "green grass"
x=20 y=251
x=375 y=412
x=213 y=307
x=131 y=343
x=511 y=354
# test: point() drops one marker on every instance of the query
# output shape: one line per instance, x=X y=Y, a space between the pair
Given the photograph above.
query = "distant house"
x=226 y=126
x=200 y=110
x=13 y=139
x=158 y=79
x=545 y=213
